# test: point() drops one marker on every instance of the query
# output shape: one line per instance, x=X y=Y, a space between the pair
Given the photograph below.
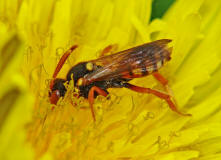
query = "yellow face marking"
x=80 y=82
x=89 y=66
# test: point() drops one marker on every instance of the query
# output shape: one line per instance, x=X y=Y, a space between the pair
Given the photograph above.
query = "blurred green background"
x=159 y=7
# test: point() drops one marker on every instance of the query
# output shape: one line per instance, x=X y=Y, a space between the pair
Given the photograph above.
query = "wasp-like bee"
x=93 y=78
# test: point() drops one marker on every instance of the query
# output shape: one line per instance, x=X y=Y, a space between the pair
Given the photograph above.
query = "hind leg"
x=159 y=94
x=164 y=82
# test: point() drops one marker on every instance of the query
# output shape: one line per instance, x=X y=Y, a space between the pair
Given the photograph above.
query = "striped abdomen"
x=151 y=62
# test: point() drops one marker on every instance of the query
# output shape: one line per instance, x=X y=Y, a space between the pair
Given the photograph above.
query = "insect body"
x=94 y=77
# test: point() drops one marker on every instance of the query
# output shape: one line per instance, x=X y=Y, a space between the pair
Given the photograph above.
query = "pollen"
x=129 y=126
x=89 y=66
x=76 y=89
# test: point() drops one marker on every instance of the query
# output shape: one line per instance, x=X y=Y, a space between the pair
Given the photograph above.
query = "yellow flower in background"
x=131 y=126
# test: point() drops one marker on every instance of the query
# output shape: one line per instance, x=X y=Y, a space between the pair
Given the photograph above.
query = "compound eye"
x=54 y=96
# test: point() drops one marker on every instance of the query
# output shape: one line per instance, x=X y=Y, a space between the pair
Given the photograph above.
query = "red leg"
x=61 y=63
x=164 y=82
x=109 y=49
x=159 y=94
x=91 y=98
x=160 y=78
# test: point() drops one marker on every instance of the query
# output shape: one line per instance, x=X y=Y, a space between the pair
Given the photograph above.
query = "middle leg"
x=91 y=98
x=109 y=49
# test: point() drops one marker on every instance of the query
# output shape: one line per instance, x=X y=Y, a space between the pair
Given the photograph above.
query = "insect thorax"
x=77 y=73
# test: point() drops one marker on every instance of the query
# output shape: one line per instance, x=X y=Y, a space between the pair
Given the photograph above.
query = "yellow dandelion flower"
x=15 y=100
x=130 y=126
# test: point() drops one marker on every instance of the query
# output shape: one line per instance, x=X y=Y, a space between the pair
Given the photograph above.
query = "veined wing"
x=132 y=63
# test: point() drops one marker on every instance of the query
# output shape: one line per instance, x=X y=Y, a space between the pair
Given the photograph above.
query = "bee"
x=93 y=78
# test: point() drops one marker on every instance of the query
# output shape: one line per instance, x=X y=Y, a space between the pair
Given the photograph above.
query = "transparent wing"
x=147 y=57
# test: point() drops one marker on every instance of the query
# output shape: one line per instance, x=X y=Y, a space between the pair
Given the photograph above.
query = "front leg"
x=91 y=97
x=159 y=94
